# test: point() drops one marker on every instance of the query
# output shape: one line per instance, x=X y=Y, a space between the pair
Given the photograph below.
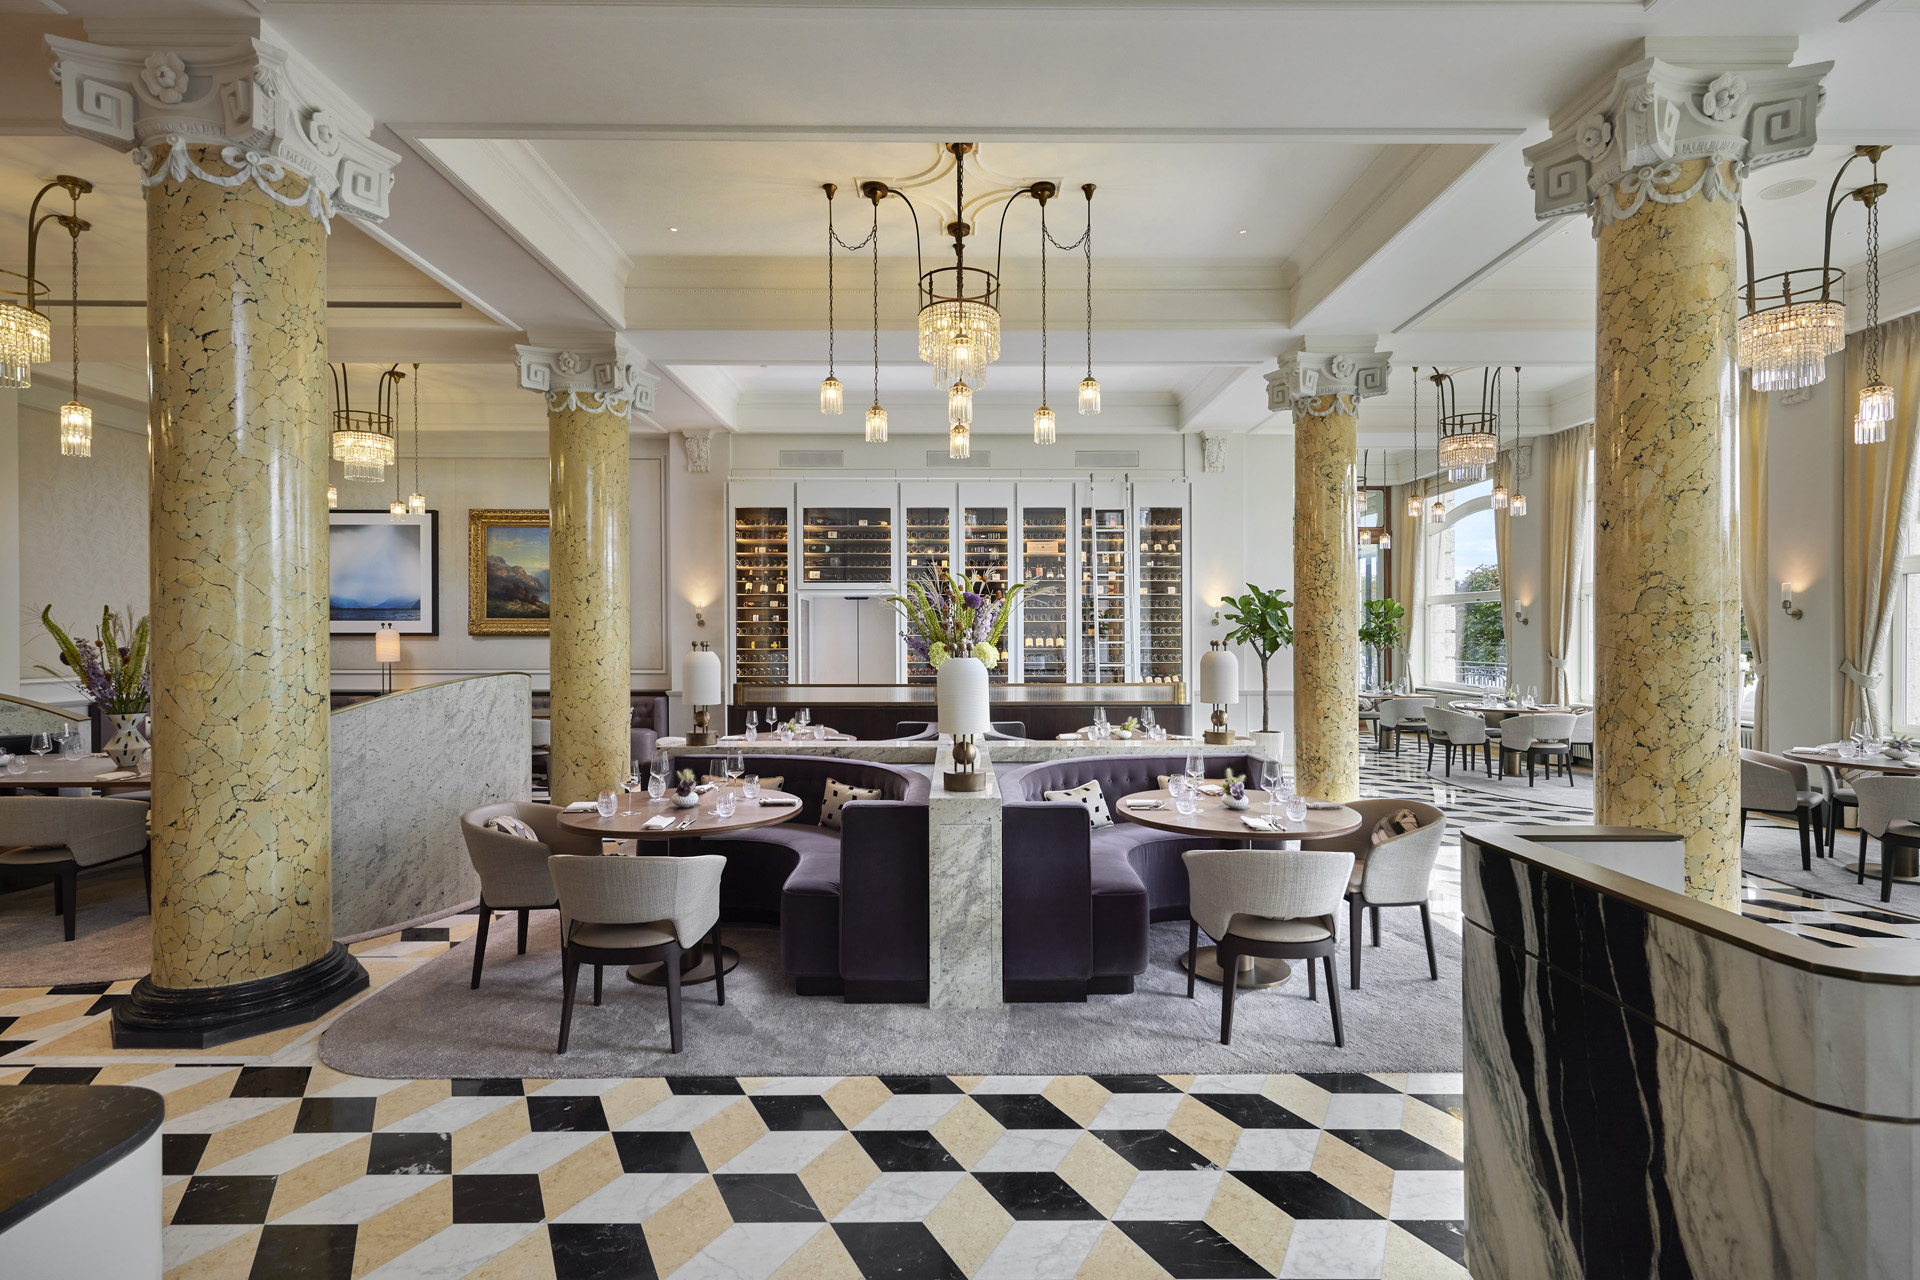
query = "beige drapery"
x=1406 y=566
x=1754 y=576
x=1569 y=458
x=1504 y=471
x=1877 y=500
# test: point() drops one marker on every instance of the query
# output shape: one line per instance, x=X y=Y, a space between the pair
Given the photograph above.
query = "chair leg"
x=1229 y=978
x=1886 y=875
x=1313 y=984
x=1566 y=767
x=1529 y=766
x=597 y=969
x=523 y=931
x=1429 y=753
x=72 y=877
x=1806 y=849
x=480 y=943
x=1743 y=828
x=1426 y=926
x=570 y=970
x=1861 y=866
x=1333 y=998
x=1193 y=952
x=719 y=968
x=1449 y=759
x=59 y=905
x=1353 y=938
x=673 y=998
x=1376 y=926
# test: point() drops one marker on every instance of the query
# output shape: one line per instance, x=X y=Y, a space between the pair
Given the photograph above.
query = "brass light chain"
x=874 y=237
x=1873 y=293
x=416 y=429
x=74 y=296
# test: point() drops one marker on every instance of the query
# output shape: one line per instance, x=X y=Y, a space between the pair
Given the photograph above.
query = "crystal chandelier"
x=1793 y=321
x=1516 y=504
x=959 y=441
x=1467 y=443
x=76 y=420
x=363 y=438
x=1876 y=398
x=26 y=335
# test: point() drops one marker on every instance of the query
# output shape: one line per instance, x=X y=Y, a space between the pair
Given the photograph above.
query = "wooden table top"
x=1213 y=818
x=1501 y=713
x=1908 y=767
x=54 y=771
x=626 y=826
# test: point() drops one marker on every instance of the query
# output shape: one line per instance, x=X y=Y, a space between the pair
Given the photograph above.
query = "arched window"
x=1463 y=639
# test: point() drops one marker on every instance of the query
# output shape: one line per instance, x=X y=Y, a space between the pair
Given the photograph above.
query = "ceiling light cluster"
x=959 y=315
x=26 y=335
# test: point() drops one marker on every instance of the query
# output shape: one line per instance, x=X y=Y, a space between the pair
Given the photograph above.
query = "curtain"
x=1877 y=500
x=1755 y=595
x=1504 y=471
x=1406 y=567
x=1569 y=457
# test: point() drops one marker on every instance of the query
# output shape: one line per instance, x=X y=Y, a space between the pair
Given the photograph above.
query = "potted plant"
x=684 y=795
x=1382 y=630
x=1236 y=791
x=114 y=672
x=1262 y=620
x=954 y=626
x=1897 y=748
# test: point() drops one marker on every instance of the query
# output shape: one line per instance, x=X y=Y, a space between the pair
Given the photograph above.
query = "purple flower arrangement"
x=113 y=670
x=950 y=617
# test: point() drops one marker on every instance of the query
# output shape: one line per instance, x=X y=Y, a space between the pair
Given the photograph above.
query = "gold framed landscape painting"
x=507 y=576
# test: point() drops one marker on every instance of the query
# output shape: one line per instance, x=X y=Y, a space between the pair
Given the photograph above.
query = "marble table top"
x=56 y=771
x=59 y=1135
x=637 y=808
x=1831 y=757
x=1213 y=818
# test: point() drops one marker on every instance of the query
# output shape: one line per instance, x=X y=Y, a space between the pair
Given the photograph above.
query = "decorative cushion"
x=836 y=795
x=1398 y=823
x=510 y=826
x=1089 y=798
x=724 y=781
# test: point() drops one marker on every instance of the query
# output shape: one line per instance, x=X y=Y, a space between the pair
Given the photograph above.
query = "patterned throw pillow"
x=1399 y=823
x=1089 y=798
x=837 y=794
x=508 y=826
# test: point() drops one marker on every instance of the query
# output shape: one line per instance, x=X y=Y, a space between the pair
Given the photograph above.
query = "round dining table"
x=96 y=771
x=1906 y=861
x=1213 y=818
x=1495 y=714
x=682 y=835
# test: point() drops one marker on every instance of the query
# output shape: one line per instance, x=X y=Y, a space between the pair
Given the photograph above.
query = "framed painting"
x=381 y=572
x=507 y=582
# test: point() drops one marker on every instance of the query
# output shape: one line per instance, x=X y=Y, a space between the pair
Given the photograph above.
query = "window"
x=1375 y=568
x=1463 y=638
x=1581 y=660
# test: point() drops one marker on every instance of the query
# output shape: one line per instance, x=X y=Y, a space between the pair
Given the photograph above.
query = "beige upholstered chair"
x=1539 y=735
x=1890 y=812
x=513 y=872
x=1403 y=715
x=1394 y=873
x=1463 y=729
x=630 y=910
x=53 y=837
x=1277 y=903
x=1775 y=784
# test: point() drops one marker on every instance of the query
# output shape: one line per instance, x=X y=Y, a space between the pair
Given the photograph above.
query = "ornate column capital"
x=1341 y=379
x=1624 y=142
x=271 y=113
x=607 y=379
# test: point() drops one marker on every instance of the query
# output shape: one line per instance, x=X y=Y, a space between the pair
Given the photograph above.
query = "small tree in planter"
x=1263 y=620
x=1381 y=628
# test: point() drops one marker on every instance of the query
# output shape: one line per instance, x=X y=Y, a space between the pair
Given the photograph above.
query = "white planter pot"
x=1269 y=745
x=962 y=684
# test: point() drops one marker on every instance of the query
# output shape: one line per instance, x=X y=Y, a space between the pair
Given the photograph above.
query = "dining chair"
x=1273 y=903
x=1461 y=729
x=1777 y=785
x=1403 y=715
x=1540 y=735
x=631 y=910
x=1582 y=733
x=1890 y=812
x=1840 y=797
x=1396 y=872
x=51 y=838
x=513 y=869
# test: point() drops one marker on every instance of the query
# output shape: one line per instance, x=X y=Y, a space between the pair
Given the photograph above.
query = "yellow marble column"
x=236 y=307
x=1667 y=556
x=591 y=615
x=1326 y=613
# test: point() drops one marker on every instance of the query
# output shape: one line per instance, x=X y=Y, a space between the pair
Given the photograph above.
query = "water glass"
x=41 y=743
x=786 y=732
x=1296 y=809
x=656 y=783
x=750 y=786
x=753 y=726
x=17 y=764
x=71 y=747
x=1187 y=801
x=724 y=802
x=608 y=804
x=819 y=733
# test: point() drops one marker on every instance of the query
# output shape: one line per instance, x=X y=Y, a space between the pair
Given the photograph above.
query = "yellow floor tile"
x=488 y=1134
x=230 y=1261
x=238 y=1139
x=396 y=1105
x=686 y=1225
x=529 y=1259
x=1078 y=1096
x=1115 y=1257
x=1354 y=1172
x=127 y=1072
x=188 y=1099
x=1205 y=1130
x=753 y=1084
x=967 y=1131
x=306 y=1183
x=1251 y=1222
x=631 y=1097
x=1302 y=1097
x=1411 y=1258
x=969 y=1224
x=856 y=1098
x=837 y=1175
x=1432 y=1125
x=729 y=1133
x=1182 y=1083
x=567 y=1183
x=391 y=1232
x=1099 y=1173
x=822 y=1257
x=966 y=1083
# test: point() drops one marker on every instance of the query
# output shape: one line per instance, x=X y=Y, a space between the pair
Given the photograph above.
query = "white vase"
x=127 y=742
x=962 y=684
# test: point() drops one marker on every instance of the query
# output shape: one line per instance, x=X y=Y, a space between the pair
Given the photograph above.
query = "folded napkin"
x=1146 y=804
x=117 y=775
x=1324 y=804
x=705 y=787
x=659 y=822
x=1212 y=789
x=1258 y=822
x=779 y=802
x=582 y=806
x=1068 y=737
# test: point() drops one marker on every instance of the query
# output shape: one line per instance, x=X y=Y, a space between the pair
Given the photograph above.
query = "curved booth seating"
x=1053 y=861
x=851 y=904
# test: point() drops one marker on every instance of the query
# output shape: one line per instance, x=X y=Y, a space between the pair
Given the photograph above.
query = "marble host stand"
x=404 y=768
x=1661 y=1087
x=80 y=1194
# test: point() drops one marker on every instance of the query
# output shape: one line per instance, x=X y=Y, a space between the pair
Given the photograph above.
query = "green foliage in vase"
x=1262 y=620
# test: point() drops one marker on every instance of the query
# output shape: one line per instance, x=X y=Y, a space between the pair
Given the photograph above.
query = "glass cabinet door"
x=1163 y=642
x=1103 y=595
x=761 y=644
x=986 y=559
x=845 y=545
x=928 y=556
x=1043 y=605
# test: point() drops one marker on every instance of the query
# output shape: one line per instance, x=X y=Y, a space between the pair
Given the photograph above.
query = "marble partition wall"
x=405 y=767
x=1663 y=1088
x=963 y=877
x=590 y=607
x=1326 y=614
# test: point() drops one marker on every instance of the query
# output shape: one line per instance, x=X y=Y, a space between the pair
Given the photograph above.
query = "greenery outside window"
x=1462 y=639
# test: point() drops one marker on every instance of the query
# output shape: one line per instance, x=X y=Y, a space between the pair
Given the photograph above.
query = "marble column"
x=1657 y=158
x=237 y=220
x=1323 y=391
x=589 y=395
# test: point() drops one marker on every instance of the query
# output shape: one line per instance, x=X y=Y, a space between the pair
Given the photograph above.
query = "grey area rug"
x=429 y=1024
x=112 y=937
x=1773 y=850
x=1554 y=790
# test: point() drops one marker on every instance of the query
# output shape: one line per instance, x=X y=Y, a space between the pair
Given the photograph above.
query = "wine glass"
x=41 y=743
x=1270 y=779
x=753 y=725
x=805 y=717
x=1196 y=770
x=1147 y=721
x=735 y=766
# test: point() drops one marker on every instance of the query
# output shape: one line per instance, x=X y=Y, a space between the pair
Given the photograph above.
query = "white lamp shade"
x=963 y=697
x=700 y=678
x=1219 y=677
x=386 y=645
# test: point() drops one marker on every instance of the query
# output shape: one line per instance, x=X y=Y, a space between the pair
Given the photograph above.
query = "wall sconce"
x=1786 y=602
x=699 y=618
x=1520 y=614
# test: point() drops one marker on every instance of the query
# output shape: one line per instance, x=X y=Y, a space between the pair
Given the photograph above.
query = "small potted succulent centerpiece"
x=1129 y=728
x=1897 y=748
x=1236 y=794
x=113 y=672
x=684 y=796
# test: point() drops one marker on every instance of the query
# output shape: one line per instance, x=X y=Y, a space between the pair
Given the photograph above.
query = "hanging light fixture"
x=1089 y=385
x=959 y=305
x=876 y=416
x=1413 y=485
x=1517 y=503
x=416 y=501
x=26 y=335
x=1786 y=342
x=363 y=438
x=1437 y=511
x=76 y=420
x=960 y=404
x=1876 y=398
x=333 y=498
x=1499 y=498
x=959 y=441
x=1467 y=443
x=831 y=400
x=397 y=509
x=1360 y=481
x=1045 y=429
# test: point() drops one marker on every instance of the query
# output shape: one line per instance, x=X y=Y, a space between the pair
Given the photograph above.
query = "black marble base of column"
x=155 y=1017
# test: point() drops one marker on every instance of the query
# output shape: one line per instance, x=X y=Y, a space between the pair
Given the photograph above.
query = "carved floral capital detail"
x=1306 y=379
x=598 y=379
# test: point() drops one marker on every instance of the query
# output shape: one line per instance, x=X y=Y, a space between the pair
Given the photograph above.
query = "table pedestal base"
x=1906 y=867
x=695 y=967
x=1256 y=972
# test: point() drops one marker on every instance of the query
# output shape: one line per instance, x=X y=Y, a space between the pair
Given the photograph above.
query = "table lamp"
x=386 y=652
x=964 y=714
x=1219 y=685
x=700 y=689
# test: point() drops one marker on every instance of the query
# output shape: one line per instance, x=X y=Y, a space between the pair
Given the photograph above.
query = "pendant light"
x=1876 y=398
x=830 y=390
x=1089 y=386
x=1517 y=504
x=1413 y=485
x=876 y=416
x=416 y=501
x=397 y=509
x=1467 y=441
x=1437 y=513
x=1499 y=498
x=363 y=438
x=1045 y=430
x=26 y=335
x=76 y=420
x=333 y=498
